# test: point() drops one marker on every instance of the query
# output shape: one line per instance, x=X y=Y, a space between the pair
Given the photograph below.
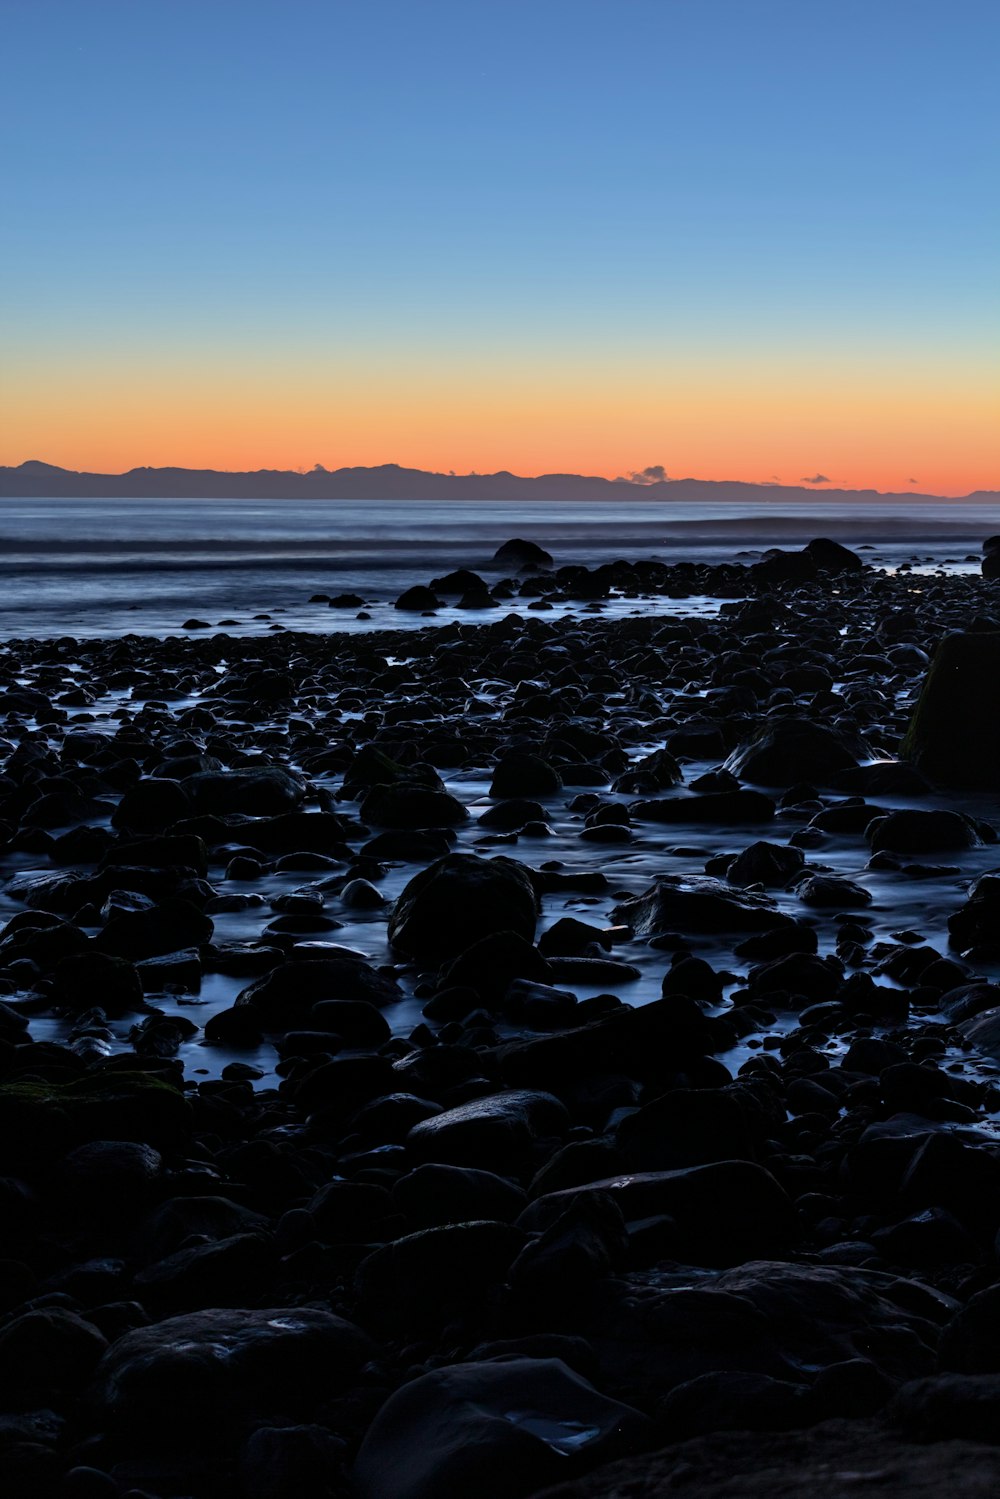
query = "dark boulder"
x=459 y=900
x=954 y=733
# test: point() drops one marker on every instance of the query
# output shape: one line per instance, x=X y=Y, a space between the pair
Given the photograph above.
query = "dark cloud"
x=654 y=474
x=913 y=481
x=817 y=479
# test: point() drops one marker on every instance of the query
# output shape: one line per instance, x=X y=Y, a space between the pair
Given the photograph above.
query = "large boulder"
x=499 y=1429
x=954 y=733
x=791 y=750
x=457 y=901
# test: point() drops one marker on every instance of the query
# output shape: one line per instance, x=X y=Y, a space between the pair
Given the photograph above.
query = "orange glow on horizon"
x=890 y=431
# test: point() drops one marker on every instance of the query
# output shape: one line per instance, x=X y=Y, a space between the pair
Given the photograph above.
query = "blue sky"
x=742 y=181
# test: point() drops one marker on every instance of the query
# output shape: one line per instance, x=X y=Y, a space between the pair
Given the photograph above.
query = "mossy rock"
x=41 y=1119
x=954 y=734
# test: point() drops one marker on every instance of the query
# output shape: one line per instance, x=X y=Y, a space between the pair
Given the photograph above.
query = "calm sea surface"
x=102 y=567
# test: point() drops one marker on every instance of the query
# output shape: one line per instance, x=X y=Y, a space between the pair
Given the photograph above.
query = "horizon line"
x=653 y=478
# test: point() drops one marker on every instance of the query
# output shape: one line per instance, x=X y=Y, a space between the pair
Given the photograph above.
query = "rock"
x=954 y=733
x=822 y=1462
x=522 y=554
x=770 y=864
x=174 y=923
x=970 y=1344
x=583 y=1245
x=493 y=963
x=686 y=1127
x=976 y=921
x=520 y=774
x=266 y=792
x=734 y=1402
x=791 y=750
x=151 y=806
x=202 y=1376
x=658 y=771
x=715 y=807
x=434 y=1194
x=695 y=903
x=287 y=1462
x=498 y=1131
x=639 y=1043
x=724 y=1213
x=96 y=978
x=418 y=599
x=46 y=1351
x=436 y=1274
x=284 y=997
x=913 y=831
x=500 y=1430
x=459 y=900
x=944 y=1406
x=827 y=890
x=831 y=557
x=406 y=805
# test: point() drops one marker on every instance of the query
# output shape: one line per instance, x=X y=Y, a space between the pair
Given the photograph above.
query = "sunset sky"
x=745 y=239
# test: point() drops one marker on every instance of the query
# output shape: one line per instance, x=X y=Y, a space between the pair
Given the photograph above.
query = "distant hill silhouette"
x=388 y=481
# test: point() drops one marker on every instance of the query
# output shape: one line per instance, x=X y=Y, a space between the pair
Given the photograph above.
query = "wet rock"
x=418 y=599
x=499 y=1429
x=922 y=832
x=202 y=1376
x=286 y=1462
x=639 y=1043
x=454 y=1266
x=723 y=1213
x=770 y=864
x=658 y=771
x=286 y=995
x=697 y=903
x=521 y=554
x=795 y=749
x=977 y=920
x=266 y=792
x=96 y=978
x=830 y=557
x=520 y=774
x=405 y=805
x=437 y=1193
x=459 y=900
x=714 y=807
x=826 y=890
x=497 y=1132
x=47 y=1351
x=734 y=1402
x=173 y=924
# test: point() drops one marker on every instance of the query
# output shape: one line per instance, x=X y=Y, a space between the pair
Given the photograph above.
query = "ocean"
x=90 y=567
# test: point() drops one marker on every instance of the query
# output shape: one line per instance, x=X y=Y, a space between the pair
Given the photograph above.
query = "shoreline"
x=440 y=999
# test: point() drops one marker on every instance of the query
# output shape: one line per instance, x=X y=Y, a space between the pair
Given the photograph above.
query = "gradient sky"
x=741 y=238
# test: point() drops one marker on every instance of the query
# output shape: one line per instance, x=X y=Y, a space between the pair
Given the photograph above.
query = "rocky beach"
x=549 y=1045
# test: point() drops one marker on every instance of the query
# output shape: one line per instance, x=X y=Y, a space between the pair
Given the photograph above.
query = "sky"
x=742 y=239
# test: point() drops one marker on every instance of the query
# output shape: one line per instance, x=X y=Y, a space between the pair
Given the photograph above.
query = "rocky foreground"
x=465 y=1221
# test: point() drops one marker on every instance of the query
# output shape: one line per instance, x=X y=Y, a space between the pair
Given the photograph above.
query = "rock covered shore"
x=509 y=1056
